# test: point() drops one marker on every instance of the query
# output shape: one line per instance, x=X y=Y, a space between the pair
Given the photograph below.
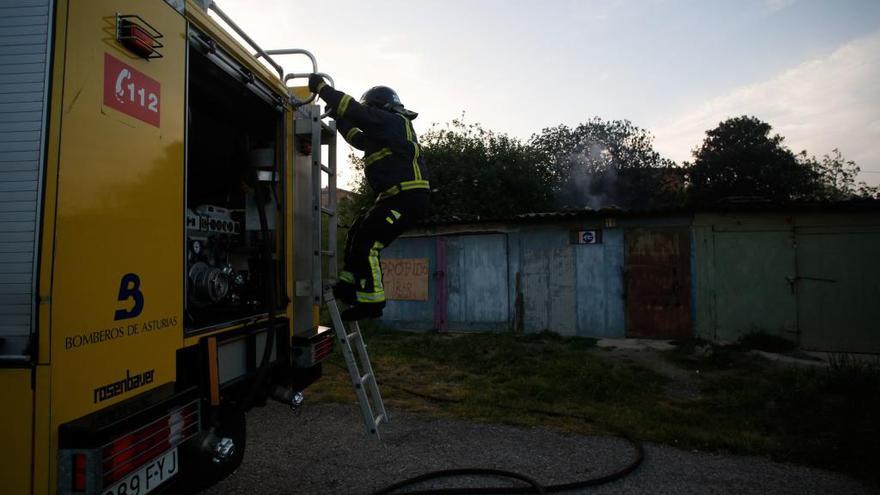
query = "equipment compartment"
x=234 y=164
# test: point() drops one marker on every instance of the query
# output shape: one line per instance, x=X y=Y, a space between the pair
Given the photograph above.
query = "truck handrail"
x=302 y=75
x=299 y=75
x=262 y=53
x=292 y=51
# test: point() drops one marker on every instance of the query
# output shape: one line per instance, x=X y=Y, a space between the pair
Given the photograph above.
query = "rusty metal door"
x=657 y=284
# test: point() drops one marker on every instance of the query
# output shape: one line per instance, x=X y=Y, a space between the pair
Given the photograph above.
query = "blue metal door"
x=476 y=282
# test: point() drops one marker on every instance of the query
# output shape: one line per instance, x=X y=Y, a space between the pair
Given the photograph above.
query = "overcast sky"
x=675 y=67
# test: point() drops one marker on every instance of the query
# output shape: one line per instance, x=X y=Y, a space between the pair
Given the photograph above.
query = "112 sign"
x=130 y=91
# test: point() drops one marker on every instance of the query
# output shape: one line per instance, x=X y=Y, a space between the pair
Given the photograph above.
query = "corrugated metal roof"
x=731 y=205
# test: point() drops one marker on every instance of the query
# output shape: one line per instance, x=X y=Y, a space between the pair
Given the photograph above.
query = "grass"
x=483 y=376
x=825 y=417
x=815 y=416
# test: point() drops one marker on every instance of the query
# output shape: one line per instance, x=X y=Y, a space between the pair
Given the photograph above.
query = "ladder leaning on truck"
x=160 y=243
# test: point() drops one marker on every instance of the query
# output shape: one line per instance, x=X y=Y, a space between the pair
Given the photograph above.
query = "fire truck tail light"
x=79 y=472
x=128 y=452
x=321 y=350
x=308 y=352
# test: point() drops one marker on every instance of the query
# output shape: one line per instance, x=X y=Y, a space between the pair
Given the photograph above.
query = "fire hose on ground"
x=534 y=486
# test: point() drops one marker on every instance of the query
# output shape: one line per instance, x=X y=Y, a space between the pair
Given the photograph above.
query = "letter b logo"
x=130 y=288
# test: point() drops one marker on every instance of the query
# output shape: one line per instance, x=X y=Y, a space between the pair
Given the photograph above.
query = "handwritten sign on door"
x=405 y=279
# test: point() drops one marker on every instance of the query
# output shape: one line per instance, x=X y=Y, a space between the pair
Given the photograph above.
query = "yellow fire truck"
x=160 y=242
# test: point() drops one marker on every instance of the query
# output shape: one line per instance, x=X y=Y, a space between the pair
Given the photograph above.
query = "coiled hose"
x=638 y=457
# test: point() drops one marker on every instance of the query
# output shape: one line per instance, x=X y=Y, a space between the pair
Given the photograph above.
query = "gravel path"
x=325 y=451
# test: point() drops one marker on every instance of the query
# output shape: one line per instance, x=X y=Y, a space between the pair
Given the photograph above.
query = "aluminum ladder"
x=360 y=369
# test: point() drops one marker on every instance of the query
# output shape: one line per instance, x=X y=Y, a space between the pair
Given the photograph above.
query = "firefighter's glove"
x=316 y=82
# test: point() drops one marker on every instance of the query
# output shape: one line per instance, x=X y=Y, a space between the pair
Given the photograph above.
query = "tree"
x=836 y=178
x=478 y=172
x=603 y=163
x=474 y=173
x=740 y=158
x=361 y=196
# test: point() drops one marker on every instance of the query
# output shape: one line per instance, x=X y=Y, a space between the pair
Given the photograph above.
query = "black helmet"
x=385 y=98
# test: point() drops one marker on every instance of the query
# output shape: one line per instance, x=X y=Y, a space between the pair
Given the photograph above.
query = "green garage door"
x=755 y=273
x=838 y=288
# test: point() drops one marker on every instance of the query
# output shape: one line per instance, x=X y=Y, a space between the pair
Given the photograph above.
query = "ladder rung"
x=328 y=211
x=325 y=168
x=328 y=253
x=363 y=379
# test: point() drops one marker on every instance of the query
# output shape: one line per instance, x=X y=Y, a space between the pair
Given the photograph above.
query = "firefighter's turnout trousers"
x=371 y=232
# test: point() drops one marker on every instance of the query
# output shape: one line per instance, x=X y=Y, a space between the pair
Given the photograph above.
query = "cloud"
x=777 y=5
x=822 y=104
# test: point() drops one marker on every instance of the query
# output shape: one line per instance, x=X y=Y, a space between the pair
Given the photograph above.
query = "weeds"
x=763 y=341
x=698 y=354
x=821 y=416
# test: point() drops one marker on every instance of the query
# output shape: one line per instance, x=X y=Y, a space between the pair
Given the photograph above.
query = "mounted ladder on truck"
x=310 y=125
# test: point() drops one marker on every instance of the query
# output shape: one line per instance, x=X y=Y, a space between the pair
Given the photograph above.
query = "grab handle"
x=302 y=75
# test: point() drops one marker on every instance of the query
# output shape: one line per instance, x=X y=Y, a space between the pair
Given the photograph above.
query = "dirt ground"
x=683 y=384
x=325 y=451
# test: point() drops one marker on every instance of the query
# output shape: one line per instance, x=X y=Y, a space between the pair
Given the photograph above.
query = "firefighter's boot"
x=345 y=292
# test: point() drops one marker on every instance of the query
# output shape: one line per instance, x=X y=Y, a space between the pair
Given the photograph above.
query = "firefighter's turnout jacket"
x=392 y=156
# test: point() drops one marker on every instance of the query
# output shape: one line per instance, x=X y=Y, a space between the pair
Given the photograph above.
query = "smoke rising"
x=592 y=178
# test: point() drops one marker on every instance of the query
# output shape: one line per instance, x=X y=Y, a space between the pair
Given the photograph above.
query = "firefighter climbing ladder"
x=359 y=367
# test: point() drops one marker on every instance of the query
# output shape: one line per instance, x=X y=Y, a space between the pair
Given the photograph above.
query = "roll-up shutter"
x=24 y=64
